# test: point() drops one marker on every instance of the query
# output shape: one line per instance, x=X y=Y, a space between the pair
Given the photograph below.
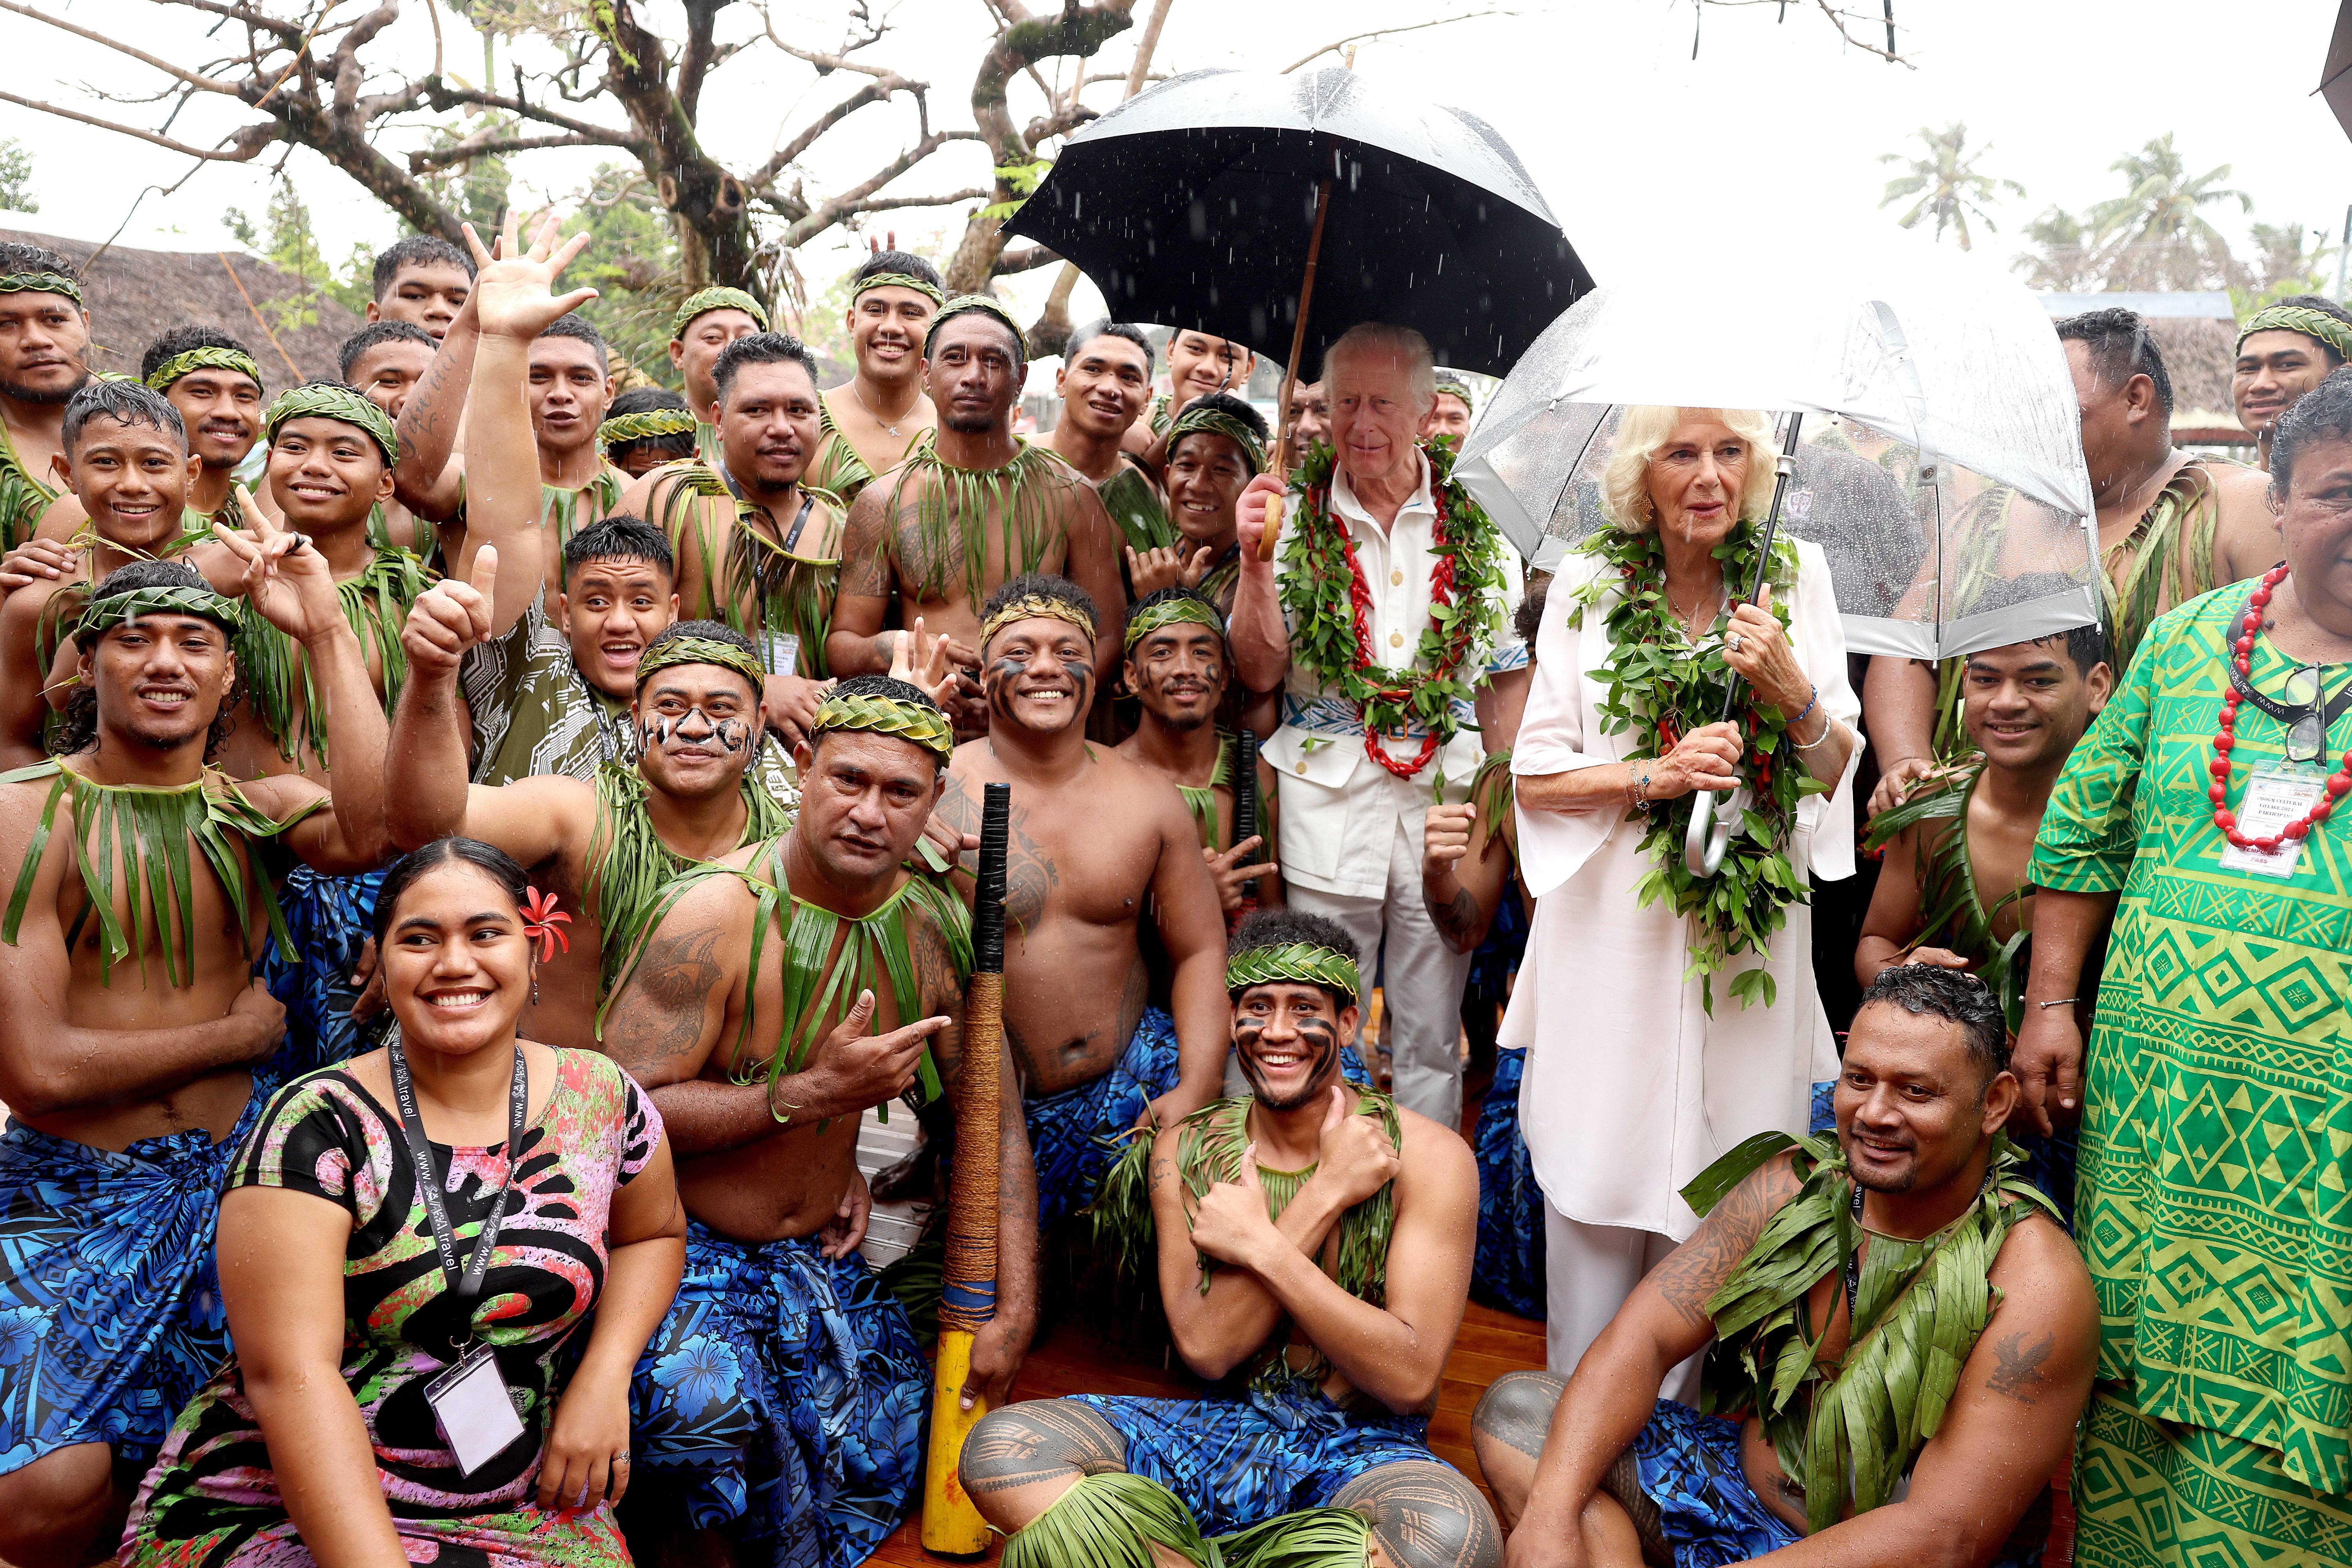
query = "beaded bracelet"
x=1809 y=706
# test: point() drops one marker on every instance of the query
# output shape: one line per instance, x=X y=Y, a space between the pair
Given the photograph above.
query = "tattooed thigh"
x=1623 y=1482
x=1516 y=1410
x=1426 y=1515
x=1041 y=1440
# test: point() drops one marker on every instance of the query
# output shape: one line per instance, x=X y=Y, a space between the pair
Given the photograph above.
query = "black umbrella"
x=1202 y=203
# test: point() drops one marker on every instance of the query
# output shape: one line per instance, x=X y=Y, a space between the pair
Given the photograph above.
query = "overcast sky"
x=1771 y=136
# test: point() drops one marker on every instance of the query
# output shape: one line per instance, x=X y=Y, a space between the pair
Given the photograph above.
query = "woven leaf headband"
x=884 y=715
x=1217 y=422
x=1298 y=960
x=208 y=356
x=900 y=280
x=1185 y=609
x=701 y=650
x=328 y=400
x=41 y=283
x=1030 y=605
x=720 y=298
x=646 y=425
x=102 y=616
x=964 y=305
x=2311 y=323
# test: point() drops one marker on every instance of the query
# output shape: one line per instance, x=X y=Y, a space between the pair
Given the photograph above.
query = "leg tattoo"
x=1516 y=1410
x=1426 y=1515
x=1623 y=1482
x=1041 y=1440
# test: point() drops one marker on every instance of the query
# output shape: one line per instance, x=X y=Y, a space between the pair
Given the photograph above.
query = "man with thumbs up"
x=1314 y=1244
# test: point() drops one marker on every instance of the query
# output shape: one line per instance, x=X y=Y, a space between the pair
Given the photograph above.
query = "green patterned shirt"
x=2213 y=1204
x=534 y=713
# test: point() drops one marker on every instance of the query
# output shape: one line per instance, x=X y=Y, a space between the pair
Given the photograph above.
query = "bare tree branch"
x=207 y=83
x=1839 y=18
x=1336 y=45
x=826 y=214
x=878 y=90
x=433 y=160
x=165 y=142
x=1027 y=259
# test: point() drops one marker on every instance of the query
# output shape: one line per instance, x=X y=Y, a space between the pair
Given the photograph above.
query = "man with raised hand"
x=777 y=996
x=869 y=423
x=136 y=1050
x=1927 y=1434
x=44 y=353
x=1314 y=1247
x=1377 y=683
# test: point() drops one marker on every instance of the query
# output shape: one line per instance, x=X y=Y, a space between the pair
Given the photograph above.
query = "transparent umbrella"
x=1940 y=468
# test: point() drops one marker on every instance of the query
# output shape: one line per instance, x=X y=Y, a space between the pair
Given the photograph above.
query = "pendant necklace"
x=892 y=426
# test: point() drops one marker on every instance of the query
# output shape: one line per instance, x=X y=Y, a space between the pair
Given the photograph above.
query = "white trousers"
x=1421 y=980
x=1588 y=1270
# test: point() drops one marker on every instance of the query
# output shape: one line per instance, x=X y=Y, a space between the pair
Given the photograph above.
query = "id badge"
x=783 y=652
x=475 y=1414
x=2276 y=797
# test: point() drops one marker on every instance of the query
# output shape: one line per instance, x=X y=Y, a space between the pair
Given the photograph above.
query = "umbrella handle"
x=1711 y=829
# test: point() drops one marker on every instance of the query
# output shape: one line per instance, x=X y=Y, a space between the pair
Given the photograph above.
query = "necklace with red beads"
x=2241 y=656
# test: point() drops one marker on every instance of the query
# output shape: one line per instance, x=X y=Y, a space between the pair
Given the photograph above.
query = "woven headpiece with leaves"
x=884 y=715
x=102 y=616
x=900 y=280
x=205 y=356
x=1029 y=606
x=715 y=299
x=331 y=400
x=2311 y=323
x=40 y=283
x=677 y=650
x=964 y=305
x=1217 y=422
x=1303 y=963
x=646 y=425
x=1186 y=609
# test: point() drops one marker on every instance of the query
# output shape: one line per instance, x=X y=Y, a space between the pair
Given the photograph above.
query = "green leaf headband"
x=1187 y=609
x=1034 y=605
x=1217 y=422
x=41 y=283
x=332 y=400
x=710 y=299
x=900 y=280
x=964 y=305
x=646 y=425
x=892 y=716
x=1459 y=388
x=2311 y=323
x=1298 y=960
x=701 y=650
x=208 y=356
x=102 y=616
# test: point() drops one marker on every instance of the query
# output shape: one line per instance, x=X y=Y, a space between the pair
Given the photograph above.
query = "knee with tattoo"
x=1517 y=1408
x=1426 y=1515
x=1040 y=1441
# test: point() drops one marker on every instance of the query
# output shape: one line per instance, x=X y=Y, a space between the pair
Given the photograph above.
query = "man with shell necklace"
x=776 y=996
x=968 y=510
x=1096 y=843
x=1930 y=1435
x=1314 y=1249
x=136 y=1048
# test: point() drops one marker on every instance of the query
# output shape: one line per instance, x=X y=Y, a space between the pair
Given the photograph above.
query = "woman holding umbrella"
x=1670 y=1016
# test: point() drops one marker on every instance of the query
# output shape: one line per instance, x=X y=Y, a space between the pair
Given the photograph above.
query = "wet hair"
x=19 y=257
x=78 y=725
x=572 y=324
x=355 y=347
x=2323 y=414
x=709 y=631
x=1231 y=405
x=2120 y=348
x=1173 y=594
x=759 y=348
x=898 y=261
x=1280 y=927
x=619 y=537
x=1529 y=617
x=411 y=867
x=1927 y=991
x=130 y=401
x=1045 y=585
x=897 y=690
x=2085 y=646
x=179 y=340
x=417 y=250
x=1104 y=327
x=2326 y=307
x=644 y=400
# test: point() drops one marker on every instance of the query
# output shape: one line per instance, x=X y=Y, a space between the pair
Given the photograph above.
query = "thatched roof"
x=2200 y=356
x=137 y=296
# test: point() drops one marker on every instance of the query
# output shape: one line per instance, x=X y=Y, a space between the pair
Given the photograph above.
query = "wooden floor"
x=1074 y=1362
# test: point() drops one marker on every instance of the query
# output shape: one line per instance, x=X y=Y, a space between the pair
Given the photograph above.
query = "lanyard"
x=468 y=1282
x=1853 y=1266
x=2328 y=709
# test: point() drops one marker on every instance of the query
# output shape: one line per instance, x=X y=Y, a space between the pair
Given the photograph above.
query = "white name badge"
x=475 y=1414
x=783 y=651
x=2273 y=800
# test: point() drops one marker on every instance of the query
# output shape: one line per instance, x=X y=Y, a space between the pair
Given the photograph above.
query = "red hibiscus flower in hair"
x=540 y=921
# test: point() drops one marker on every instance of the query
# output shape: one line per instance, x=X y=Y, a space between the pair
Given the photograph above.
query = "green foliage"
x=286 y=239
x=1021 y=180
x=632 y=260
x=17 y=177
x=2286 y=262
x=1946 y=184
x=2154 y=235
x=475 y=190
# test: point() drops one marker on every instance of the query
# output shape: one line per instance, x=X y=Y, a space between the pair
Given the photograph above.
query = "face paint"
x=656 y=731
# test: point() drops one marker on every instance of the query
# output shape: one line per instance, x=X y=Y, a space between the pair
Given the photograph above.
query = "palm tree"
x=2064 y=263
x=1946 y=183
x=2156 y=235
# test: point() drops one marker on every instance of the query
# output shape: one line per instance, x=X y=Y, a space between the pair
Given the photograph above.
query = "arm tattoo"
x=1697 y=1268
x=675 y=981
x=1425 y=1515
x=1457 y=917
x=1039 y=1440
x=865 y=572
x=2020 y=1371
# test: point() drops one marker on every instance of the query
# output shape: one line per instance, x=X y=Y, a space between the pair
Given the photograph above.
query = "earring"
x=534 y=991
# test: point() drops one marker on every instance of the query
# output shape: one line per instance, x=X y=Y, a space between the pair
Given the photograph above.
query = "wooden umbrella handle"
x=1265 y=540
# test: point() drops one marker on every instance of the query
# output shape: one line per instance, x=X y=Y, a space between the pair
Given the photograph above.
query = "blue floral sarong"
x=1508 y=1270
x=111 y=1316
x=1074 y=1136
x=330 y=920
x=784 y=1395
x=1240 y=1461
x=2048 y=1162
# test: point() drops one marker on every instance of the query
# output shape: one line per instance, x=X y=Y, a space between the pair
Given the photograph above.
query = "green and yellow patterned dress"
x=2217 y=1132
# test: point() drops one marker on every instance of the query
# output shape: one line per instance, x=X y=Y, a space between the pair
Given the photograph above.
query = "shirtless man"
x=1311 y=421
x=385 y=359
x=1619 y=1473
x=129 y=1061
x=2171 y=527
x=699 y=333
x=763 y=1109
x=1093 y=836
x=1451 y=413
x=1104 y=381
x=1215 y=448
x=874 y=418
x=423 y=280
x=1197 y=363
x=2284 y=350
x=941 y=532
x=44 y=346
x=1343 y=1362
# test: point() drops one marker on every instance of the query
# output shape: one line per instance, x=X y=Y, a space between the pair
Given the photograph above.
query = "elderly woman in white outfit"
x=1633 y=1087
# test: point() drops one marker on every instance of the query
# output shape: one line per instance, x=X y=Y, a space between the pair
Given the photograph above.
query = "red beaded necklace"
x=2225 y=737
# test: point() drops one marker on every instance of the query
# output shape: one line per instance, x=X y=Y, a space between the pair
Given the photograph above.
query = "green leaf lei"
x=278 y=682
x=1952 y=910
x=743 y=566
x=1320 y=574
x=1663 y=686
x=628 y=864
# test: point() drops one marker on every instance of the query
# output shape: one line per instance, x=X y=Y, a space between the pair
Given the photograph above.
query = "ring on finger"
x=1733 y=644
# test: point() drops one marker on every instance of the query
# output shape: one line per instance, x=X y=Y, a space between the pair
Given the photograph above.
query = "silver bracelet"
x=2065 y=1002
x=1828 y=724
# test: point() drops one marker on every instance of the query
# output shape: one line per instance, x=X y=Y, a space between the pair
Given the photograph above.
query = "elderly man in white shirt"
x=1374 y=508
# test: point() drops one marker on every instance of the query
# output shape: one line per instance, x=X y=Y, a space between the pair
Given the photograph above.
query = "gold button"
x=1396 y=639
x=1396 y=579
x=1301 y=765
